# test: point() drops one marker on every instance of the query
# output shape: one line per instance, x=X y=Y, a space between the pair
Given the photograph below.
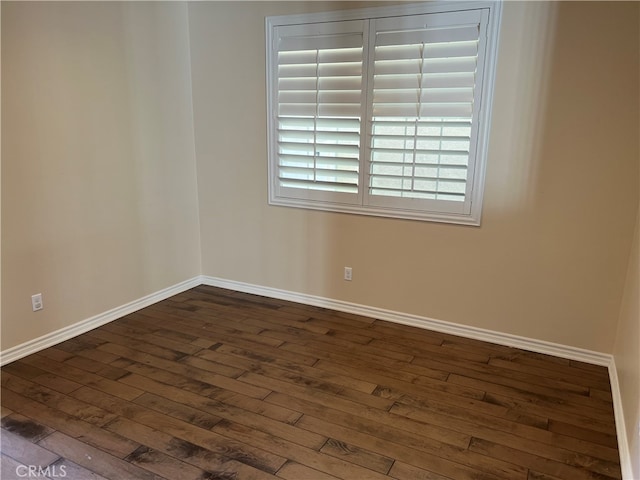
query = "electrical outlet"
x=348 y=273
x=36 y=302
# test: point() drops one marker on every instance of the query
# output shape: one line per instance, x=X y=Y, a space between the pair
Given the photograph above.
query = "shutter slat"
x=322 y=186
x=321 y=137
x=430 y=80
x=343 y=163
x=432 y=65
x=395 y=192
x=455 y=95
x=445 y=181
x=421 y=124
x=419 y=138
x=324 y=83
x=312 y=109
x=327 y=150
x=451 y=153
x=341 y=176
x=439 y=35
x=321 y=97
x=319 y=42
x=319 y=124
x=426 y=165
x=440 y=110
x=419 y=51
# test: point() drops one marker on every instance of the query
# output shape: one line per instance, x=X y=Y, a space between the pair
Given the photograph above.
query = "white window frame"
x=467 y=212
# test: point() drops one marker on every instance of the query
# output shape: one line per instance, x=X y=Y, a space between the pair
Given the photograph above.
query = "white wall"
x=99 y=201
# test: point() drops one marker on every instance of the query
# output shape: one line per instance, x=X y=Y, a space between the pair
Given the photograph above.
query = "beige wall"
x=550 y=259
x=99 y=202
x=627 y=353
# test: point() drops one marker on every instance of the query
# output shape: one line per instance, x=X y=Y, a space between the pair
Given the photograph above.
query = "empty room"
x=320 y=240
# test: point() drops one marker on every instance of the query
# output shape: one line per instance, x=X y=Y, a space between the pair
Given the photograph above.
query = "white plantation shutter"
x=320 y=106
x=383 y=111
x=427 y=74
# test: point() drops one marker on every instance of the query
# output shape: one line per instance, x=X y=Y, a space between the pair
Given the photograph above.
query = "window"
x=382 y=111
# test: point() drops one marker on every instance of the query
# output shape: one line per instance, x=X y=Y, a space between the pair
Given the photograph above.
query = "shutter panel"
x=319 y=109
x=426 y=84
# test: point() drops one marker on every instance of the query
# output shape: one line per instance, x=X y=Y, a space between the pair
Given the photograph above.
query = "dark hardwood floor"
x=215 y=384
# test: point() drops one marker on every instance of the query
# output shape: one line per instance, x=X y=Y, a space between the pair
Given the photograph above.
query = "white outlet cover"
x=36 y=302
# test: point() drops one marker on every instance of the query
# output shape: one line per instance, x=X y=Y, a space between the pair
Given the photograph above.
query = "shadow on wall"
x=520 y=107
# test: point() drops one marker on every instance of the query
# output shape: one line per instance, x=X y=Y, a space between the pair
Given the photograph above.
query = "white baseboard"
x=491 y=336
x=621 y=428
x=50 y=339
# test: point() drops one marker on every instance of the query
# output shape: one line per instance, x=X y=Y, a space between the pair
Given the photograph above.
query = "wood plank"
x=584 y=380
x=584 y=433
x=147 y=379
x=231 y=355
x=320 y=313
x=420 y=452
x=10 y=468
x=305 y=456
x=62 y=422
x=552 y=410
x=56 y=400
x=151 y=338
x=357 y=455
x=243 y=417
x=94 y=366
x=183 y=430
x=207 y=340
x=94 y=459
x=424 y=399
x=540 y=464
x=521 y=380
x=529 y=439
x=187 y=371
x=385 y=423
x=90 y=353
x=81 y=376
x=533 y=393
x=220 y=462
x=335 y=383
x=404 y=471
x=331 y=342
x=24 y=451
x=174 y=379
x=604 y=395
x=407 y=385
x=4 y=411
x=178 y=410
x=54 y=382
x=165 y=465
x=71 y=471
x=25 y=427
x=420 y=349
x=394 y=369
x=295 y=471
x=208 y=327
